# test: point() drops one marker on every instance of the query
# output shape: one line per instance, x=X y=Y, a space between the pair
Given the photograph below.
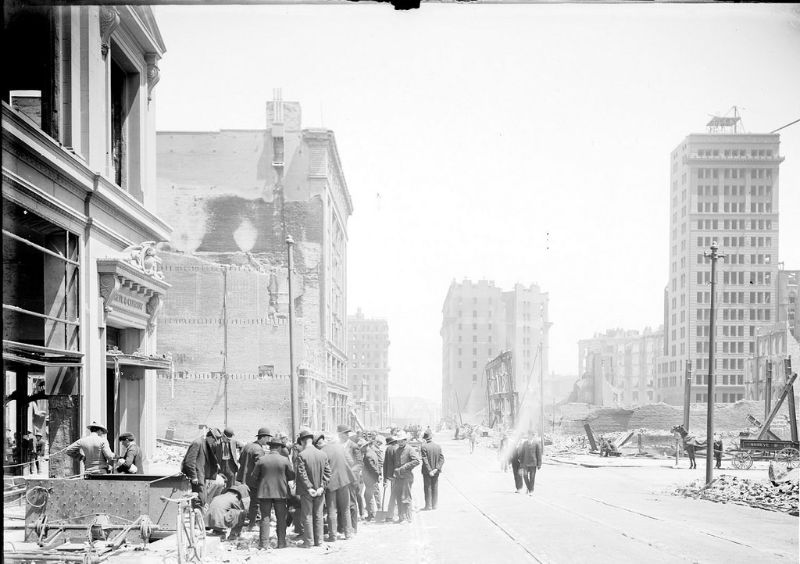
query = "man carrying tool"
x=406 y=459
x=93 y=450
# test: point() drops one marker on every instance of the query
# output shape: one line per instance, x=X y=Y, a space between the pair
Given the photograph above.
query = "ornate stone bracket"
x=109 y=286
x=109 y=21
x=153 y=73
x=153 y=307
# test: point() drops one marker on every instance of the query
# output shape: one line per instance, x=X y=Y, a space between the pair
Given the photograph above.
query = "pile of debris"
x=169 y=454
x=760 y=494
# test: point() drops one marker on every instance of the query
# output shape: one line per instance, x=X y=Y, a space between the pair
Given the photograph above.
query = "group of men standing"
x=339 y=479
x=525 y=458
x=95 y=452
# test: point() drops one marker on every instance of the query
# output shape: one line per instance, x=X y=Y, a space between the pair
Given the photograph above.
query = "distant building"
x=479 y=320
x=773 y=346
x=787 y=300
x=408 y=410
x=723 y=189
x=233 y=198
x=368 y=375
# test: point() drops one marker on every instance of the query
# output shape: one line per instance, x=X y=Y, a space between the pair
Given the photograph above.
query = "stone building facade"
x=81 y=280
x=368 y=347
x=233 y=197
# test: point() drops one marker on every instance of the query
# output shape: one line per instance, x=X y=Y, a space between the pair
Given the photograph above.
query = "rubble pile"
x=759 y=494
x=169 y=454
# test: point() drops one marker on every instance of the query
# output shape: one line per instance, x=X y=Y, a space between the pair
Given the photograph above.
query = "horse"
x=690 y=442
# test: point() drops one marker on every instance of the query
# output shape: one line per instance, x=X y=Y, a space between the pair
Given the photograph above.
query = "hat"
x=240 y=489
x=318 y=437
x=343 y=429
x=427 y=435
x=95 y=425
x=264 y=432
x=228 y=432
x=380 y=440
x=390 y=440
x=216 y=433
x=401 y=436
x=276 y=442
x=126 y=437
x=304 y=434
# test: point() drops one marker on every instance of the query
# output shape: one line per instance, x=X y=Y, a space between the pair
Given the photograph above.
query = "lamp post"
x=714 y=256
x=292 y=375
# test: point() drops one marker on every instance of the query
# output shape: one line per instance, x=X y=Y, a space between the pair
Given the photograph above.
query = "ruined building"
x=233 y=198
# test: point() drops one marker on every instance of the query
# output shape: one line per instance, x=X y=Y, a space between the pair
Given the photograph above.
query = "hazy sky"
x=469 y=132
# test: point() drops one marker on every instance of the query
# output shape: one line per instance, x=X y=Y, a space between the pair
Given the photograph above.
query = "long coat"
x=388 y=461
x=313 y=470
x=200 y=462
x=373 y=465
x=271 y=476
x=406 y=458
x=225 y=452
x=530 y=454
x=341 y=473
x=226 y=510
x=432 y=457
x=251 y=453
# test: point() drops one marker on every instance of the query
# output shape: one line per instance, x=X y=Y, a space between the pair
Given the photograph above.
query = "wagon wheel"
x=791 y=456
x=742 y=461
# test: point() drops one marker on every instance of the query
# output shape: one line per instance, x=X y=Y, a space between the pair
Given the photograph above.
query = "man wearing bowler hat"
x=432 y=464
x=313 y=474
x=406 y=459
x=93 y=450
x=272 y=474
x=251 y=453
x=337 y=492
x=130 y=461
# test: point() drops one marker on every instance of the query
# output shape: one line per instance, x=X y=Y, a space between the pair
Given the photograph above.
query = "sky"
x=515 y=143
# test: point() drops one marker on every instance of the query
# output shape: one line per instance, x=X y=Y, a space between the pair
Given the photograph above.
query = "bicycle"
x=190 y=530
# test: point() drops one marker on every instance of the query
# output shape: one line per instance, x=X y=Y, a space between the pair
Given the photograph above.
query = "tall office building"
x=723 y=189
x=479 y=320
x=368 y=376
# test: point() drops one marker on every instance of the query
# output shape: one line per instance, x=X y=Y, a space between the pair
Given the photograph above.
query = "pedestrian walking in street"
x=227 y=511
x=272 y=474
x=373 y=471
x=200 y=464
x=355 y=460
x=717 y=450
x=473 y=437
x=251 y=453
x=406 y=458
x=530 y=460
x=514 y=453
x=313 y=474
x=388 y=476
x=130 y=459
x=503 y=452
x=93 y=450
x=432 y=463
x=337 y=492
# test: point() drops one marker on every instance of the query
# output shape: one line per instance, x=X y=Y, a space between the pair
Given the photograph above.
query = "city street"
x=577 y=514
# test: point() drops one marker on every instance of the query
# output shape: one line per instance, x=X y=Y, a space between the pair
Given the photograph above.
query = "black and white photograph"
x=400 y=281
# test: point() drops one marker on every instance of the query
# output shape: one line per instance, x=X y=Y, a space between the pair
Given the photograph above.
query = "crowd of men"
x=322 y=486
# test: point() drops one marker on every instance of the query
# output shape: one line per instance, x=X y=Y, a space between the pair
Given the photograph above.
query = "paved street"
x=577 y=514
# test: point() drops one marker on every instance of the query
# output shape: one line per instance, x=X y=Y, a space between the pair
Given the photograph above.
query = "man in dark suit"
x=226 y=455
x=373 y=470
x=406 y=458
x=355 y=460
x=432 y=463
x=130 y=461
x=200 y=464
x=251 y=453
x=388 y=475
x=514 y=450
x=337 y=492
x=530 y=460
x=313 y=474
x=272 y=474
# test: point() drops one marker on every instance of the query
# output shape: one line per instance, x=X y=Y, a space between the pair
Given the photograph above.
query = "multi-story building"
x=234 y=197
x=787 y=302
x=368 y=375
x=619 y=367
x=723 y=190
x=479 y=321
x=81 y=280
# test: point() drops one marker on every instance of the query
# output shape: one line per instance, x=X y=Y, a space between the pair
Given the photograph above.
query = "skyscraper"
x=723 y=189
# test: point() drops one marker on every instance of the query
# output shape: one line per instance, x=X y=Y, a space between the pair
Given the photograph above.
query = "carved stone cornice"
x=132 y=280
x=109 y=21
x=153 y=73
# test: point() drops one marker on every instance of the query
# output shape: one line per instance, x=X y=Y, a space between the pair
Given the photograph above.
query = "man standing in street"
x=130 y=460
x=93 y=450
x=373 y=468
x=337 y=492
x=313 y=474
x=200 y=464
x=272 y=474
x=388 y=475
x=530 y=460
x=226 y=454
x=514 y=452
x=406 y=459
x=251 y=453
x=432 y=463
x=717 y=450
x=355 y=460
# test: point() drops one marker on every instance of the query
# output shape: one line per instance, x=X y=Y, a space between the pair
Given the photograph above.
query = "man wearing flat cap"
x=272 y=474
x=130 y=460
x=93 y=450
x=251 y=453
x=313 y=474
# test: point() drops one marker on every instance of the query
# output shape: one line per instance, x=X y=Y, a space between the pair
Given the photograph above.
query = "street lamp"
x=292 y=376
x=714 y=256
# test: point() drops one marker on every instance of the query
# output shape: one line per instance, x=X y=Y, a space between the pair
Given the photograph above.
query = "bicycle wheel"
x=180 y=533
x=198 y=535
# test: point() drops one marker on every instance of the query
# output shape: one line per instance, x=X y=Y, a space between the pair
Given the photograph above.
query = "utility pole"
x=714 y=256
x=225 y=338
x=687 y=394
x=292 y=376
x=768 y=390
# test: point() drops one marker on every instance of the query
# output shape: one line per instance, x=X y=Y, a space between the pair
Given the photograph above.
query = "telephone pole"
x=225 y=338
x=292 y=375
x=714 y=256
